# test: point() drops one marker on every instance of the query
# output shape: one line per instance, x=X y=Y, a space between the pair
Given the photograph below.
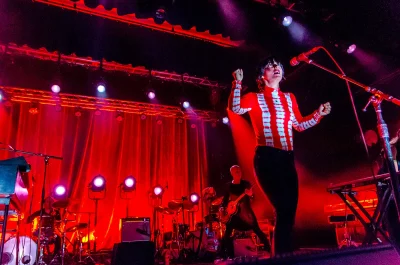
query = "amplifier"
x=135 y=229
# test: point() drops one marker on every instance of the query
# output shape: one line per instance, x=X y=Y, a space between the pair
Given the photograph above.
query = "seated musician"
x=48 y=211
x=391 y=220
x=245 y=218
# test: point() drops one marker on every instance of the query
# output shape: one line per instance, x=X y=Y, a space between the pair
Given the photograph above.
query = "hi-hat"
x=79 y=226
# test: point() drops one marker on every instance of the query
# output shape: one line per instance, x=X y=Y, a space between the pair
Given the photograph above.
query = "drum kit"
x=55 y=234
x=194 y=240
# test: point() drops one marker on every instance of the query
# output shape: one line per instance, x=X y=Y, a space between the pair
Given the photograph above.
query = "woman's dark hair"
x=261 y=66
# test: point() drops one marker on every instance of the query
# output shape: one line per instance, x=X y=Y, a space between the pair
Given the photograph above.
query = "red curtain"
x=171 y=154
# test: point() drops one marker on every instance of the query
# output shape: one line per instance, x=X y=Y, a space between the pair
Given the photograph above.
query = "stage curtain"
x=171 y=154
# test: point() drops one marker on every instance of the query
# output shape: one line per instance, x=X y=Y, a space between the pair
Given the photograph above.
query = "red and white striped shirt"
x=273 y=114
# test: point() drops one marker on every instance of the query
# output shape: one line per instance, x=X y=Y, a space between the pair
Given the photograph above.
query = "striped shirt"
x=273 y=115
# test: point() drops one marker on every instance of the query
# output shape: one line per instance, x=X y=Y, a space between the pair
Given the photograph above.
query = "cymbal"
x=178 y=204
x=217 y=201
x=208 y=194
x=163 y=210
x=77 y=227
x=64 y=203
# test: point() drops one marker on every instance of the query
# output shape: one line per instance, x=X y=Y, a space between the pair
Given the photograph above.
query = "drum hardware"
x=79 y=227
x=62 y=204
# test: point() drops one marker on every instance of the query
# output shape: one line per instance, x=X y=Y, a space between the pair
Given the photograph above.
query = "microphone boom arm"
x=376 y=98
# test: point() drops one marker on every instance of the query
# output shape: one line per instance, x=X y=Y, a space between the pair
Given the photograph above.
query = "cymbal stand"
x=88 y=251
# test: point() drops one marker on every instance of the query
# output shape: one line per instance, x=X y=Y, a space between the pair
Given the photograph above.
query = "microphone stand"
x=46 y=163
x=376 y=99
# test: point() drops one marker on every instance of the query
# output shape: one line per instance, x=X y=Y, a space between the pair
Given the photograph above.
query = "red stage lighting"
x=151 y=95
x=55 y=88
x=158 y=191
x=129 y=183
x=194 y=198
x=59 y=191
x=98 y=183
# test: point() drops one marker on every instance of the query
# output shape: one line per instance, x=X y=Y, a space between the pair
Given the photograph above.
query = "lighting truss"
x=24 y=95
x=131 y=19
x=88 y=62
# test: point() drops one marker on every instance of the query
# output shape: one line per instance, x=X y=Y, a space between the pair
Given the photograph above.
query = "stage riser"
x=380 y=255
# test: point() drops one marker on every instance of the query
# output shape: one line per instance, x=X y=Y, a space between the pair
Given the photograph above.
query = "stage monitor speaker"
x=374 y=255
x=133 y=253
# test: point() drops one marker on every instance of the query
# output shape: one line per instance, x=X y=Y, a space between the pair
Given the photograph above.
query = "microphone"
x=303 y=56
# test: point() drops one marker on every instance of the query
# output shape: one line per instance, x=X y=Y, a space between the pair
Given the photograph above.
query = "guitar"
x=233 y=207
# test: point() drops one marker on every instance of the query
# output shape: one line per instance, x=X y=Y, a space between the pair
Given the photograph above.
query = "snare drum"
x=47 y=230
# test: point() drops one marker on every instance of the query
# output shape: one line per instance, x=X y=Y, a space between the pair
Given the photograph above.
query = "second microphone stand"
x=376 y=99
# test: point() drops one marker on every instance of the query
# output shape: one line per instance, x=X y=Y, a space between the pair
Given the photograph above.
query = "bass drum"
x=27 y=251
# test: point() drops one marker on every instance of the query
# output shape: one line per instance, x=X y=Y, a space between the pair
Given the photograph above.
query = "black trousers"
x=244 y=220
x=277 y=176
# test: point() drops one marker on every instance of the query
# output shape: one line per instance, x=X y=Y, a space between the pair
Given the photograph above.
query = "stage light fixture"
x=2 y=95
x=158 y=191
x=98 y=183
x=186 y=104
x=225 y=120
x=101 y=88
x=120 y=116
x=151 y=95
x=351 y=48
x=55 y=88
x=34 y=109
x=287 y=20
x=129 y=184
x=59 y=191
x=194 y=198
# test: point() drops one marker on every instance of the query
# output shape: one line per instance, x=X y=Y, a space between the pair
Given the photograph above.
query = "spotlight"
x=129 y=183
x=101 y=88
x=151 y=95
x=193 y=126
x=55 y=88
x=78 y=112
x=33 y=109
x=98 y=183
x=119 y=117
x=225 y=120
x=97 y=112
x=160 y=15
x=59 y=191
x=287 y=20
x=158 y=191
x=1 y=95
x=351 y=48
x=194 y=198
x=186 y=104
x=142 y=117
